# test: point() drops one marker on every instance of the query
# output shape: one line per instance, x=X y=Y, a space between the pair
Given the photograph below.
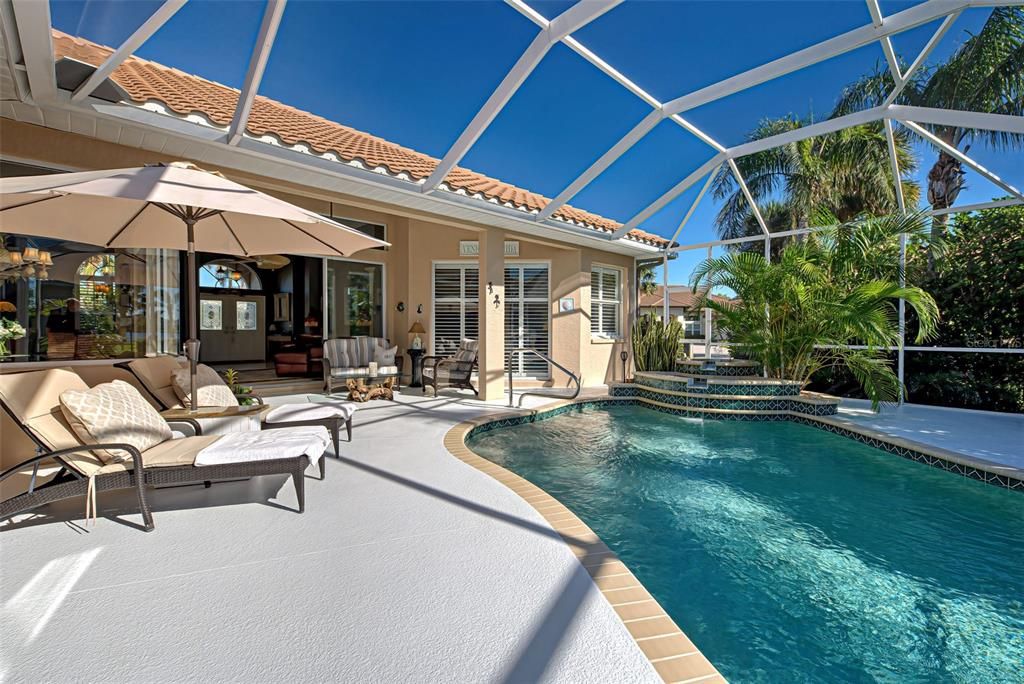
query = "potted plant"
x=9 y=330
x=240 y=391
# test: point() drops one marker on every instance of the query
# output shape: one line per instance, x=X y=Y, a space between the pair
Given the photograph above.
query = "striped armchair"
x=350 y=357
x=455 y=370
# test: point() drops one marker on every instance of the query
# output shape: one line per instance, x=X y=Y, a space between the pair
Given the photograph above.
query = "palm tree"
x=797 y=315
x=985 y=74
x=646 y=282
x=846 y=173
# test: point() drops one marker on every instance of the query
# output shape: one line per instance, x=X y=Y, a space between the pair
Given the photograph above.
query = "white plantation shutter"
x=528 y=317
x=456 y=314
x=604 y=302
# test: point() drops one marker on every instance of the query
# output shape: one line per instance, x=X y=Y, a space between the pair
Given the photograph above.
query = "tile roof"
x=187 y=94
x=681 y=298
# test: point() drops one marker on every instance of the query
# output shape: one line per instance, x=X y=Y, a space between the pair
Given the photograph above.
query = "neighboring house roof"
x=187 y=95
x=682 y=299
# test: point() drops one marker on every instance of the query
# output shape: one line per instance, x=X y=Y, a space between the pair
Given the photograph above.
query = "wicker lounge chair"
x=32 y=400
x=154 y=374
x=455 y=370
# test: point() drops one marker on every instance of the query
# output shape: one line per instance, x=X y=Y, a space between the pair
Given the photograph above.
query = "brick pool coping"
x=671 y=653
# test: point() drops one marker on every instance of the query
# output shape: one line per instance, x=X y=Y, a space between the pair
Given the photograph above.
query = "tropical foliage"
x=656 y=345
x=978 y=285
x=986 y=74
x=846 y=173
x=838 y=287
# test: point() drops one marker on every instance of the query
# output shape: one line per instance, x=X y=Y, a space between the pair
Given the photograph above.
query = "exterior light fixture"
x=623 y=355
x=236 y=276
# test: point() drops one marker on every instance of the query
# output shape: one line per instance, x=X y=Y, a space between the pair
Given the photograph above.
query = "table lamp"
x=417 y=329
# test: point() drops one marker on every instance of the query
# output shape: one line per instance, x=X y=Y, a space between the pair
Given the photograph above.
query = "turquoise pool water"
x=787 y=553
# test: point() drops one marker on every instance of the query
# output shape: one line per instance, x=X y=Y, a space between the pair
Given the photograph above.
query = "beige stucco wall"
x=418 y=241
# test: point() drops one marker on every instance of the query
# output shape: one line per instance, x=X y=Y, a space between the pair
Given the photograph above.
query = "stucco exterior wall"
x=417 y=242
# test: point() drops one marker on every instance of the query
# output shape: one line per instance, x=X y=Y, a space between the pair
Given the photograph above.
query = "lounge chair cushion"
x=211 y=388
x=113 y=412
x=154 y=373
x=34 y=401
x=173 y=452
x=288 y=413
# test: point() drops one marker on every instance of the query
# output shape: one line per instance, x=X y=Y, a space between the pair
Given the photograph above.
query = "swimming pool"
x=790 y=554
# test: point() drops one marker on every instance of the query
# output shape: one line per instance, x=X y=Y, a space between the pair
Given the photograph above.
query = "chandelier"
x=30 y=262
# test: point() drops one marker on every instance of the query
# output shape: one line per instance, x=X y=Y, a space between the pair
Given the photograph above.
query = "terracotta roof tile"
x=186 y=94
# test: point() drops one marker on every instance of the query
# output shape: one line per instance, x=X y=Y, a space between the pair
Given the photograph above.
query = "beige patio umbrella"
x=170 y=206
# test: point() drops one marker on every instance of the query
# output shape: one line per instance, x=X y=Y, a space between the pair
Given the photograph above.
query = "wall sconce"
x=497 y=301
x=490 y=287
x=400 y=307
x=419 y=308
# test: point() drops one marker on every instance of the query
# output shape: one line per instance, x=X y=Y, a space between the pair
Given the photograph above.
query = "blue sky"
x=416 y=73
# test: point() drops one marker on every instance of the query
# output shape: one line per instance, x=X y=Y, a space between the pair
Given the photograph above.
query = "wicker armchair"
x=455 y=370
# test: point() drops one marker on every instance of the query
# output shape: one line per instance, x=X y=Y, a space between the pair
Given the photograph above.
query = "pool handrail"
x=529 y=350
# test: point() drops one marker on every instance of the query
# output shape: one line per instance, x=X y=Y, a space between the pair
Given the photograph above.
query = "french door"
x=527 y=312
x=528 y=318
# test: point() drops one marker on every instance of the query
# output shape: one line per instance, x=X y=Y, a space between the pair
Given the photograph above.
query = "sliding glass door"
x=355 y=299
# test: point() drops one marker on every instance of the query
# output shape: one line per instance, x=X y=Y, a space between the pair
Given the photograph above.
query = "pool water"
x=787 y=553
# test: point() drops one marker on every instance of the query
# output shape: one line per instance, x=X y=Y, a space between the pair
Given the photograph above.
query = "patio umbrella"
x=170 y=206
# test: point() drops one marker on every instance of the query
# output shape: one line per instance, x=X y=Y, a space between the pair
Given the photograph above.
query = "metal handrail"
x=529 y=350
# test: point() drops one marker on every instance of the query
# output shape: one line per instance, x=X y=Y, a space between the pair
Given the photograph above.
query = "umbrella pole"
x=192 y=343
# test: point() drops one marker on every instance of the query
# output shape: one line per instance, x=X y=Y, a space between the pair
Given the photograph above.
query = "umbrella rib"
x=125 y=226
x=307 y=233
x=233 y=234
x=35 y=201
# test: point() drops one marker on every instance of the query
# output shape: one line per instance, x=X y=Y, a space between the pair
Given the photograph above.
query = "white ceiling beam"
x=964 y=208
x=886 y=43
x=894 y=165
x=257 y=65
x=833 y=47
x=963 y=158
x=902 y=21
x=599 y=166
x=693 y=207
x=573 y=19
x=804 y=132
x=902 y=82
x=659 y=204
x=36 y=38
x=960 y=119
x=750 y=198
x=613 y=73
x=127 y=48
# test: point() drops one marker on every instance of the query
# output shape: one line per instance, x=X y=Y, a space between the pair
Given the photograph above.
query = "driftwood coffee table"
x=367 y=387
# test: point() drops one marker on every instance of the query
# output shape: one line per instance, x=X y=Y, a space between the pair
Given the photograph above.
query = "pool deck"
x=994 y=440
x=408 y=565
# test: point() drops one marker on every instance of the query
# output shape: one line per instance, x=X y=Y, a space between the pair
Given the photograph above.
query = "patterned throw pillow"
x=211 y=388
x=114 y=412
x=385 y=357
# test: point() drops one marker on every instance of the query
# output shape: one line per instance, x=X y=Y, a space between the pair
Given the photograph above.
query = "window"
x=694 y=329
x=211 y=314
x=229 y=275
x=374 y=230
x=528 y=318
x=80 y=302
x=355 y=299
x=456 y=306
x=604 y=302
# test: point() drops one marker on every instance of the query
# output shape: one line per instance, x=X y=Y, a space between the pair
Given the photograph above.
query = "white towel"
x=239 y=447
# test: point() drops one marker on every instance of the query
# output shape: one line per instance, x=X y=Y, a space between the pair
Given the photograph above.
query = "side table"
x=416 y=355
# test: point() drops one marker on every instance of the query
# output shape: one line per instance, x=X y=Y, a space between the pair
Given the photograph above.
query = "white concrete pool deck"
x=407 y=566
x=996 y=438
